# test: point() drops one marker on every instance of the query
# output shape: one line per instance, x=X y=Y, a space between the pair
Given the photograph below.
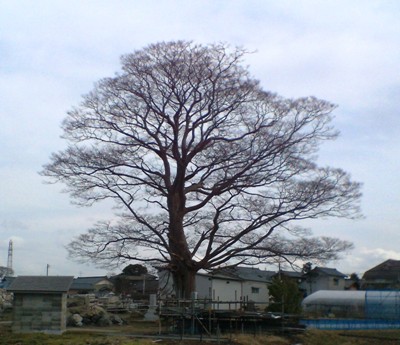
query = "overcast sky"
x=51 y=53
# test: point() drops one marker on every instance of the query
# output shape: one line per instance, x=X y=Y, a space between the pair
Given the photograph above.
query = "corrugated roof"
x=36 y=284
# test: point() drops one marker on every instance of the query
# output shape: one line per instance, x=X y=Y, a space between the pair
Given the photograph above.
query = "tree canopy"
x=206 y=168
x=285 y=296
x=134 y=270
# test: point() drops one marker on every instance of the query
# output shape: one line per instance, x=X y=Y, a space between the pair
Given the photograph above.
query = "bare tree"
x=204 y=164
x=295 y=250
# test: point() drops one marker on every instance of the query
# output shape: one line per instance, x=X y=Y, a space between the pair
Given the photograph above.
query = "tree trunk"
x=184 y=282
x=183 y=267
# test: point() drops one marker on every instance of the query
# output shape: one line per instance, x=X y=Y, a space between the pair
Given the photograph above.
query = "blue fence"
x=350 y=324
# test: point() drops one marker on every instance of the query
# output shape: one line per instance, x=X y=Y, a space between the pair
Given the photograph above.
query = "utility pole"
x=47 y=269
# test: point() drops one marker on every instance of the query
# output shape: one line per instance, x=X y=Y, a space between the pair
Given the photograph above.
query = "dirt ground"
x=142 y=333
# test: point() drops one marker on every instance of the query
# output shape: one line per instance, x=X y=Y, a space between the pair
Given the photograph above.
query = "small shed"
x=40 y=303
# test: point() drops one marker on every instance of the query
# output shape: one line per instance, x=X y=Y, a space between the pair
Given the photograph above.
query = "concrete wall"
x=39 y=313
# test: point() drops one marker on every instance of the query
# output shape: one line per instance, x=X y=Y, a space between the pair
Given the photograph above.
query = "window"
x=335 y=281
x=255 y=290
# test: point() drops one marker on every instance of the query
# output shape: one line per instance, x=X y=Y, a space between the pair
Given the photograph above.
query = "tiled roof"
x=291 y=274
x=87 y=283
x=329 y=271
x=389 y=269
x=36 y=284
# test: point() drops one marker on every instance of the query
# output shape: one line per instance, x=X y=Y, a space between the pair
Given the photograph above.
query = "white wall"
x=229 y=294
x=203 y=287
x=249 y=292
x=226 y=290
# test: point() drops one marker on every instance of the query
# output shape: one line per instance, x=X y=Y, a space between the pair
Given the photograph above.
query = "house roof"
x=291 y=274
x=245 y=273
x=87 y=283
x=389 y=269
x=38 y=284
x=328 y=271
x=221 y=274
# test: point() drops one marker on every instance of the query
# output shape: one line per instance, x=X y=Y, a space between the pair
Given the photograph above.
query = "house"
x=252 y=286
x=228 y=288
x=222 y=288
x=236 y=287
x=40 y=303
x=323 y=278
x=383 y=276
x=91 y=285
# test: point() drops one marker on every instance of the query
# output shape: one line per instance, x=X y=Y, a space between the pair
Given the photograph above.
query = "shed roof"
x=38 y=284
